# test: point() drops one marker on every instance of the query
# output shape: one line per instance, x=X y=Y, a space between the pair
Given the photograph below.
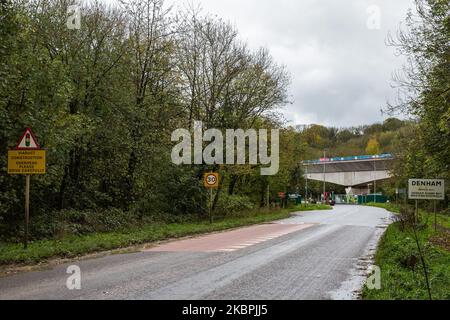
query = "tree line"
x=103 y=100
x=423 y=148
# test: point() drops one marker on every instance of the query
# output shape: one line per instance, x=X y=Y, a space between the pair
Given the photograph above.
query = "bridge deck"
x=349 y=164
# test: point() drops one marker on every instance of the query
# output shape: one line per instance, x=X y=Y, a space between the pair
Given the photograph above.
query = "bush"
x=229 y=204
x=75 y=222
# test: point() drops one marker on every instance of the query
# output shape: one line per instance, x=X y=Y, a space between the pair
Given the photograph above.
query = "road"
x=312 y=255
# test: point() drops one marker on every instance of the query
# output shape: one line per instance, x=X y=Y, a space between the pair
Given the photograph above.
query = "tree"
x=424 y=82
x=392 y=124
x=373 y=147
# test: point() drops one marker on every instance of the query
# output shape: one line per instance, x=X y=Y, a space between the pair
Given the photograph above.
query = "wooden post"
x=416 y=213
x=435 y=218
x=27 y=209
x=268 y=196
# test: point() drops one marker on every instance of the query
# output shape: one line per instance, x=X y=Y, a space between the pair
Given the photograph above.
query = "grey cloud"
x=341 y=70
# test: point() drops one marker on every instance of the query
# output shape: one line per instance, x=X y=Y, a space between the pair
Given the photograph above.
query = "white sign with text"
x=426 y=189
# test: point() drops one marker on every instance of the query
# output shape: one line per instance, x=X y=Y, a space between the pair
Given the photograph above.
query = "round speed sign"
x=211 y=180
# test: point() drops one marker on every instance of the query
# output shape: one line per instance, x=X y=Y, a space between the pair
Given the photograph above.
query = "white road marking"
x=253 y=242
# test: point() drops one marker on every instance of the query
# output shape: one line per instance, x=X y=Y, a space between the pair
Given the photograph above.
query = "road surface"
x=312 y=255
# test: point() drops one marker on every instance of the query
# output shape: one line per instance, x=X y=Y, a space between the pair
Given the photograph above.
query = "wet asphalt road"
x=326 y=260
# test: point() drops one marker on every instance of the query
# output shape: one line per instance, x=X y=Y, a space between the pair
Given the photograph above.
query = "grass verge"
x=310 y=207
x=73 y=246
x=388 y=206
x=402 y=274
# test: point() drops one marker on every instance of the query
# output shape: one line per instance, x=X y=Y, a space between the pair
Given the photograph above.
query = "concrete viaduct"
x=355 y=173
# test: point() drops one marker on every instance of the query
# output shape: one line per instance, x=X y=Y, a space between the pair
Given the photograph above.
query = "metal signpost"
x=27 y=158
x=306 y=185
x=211 y=181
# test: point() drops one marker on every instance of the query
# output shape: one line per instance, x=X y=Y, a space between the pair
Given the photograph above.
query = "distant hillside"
x=367 y=139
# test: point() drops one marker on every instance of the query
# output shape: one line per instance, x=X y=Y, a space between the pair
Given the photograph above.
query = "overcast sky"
x=335 y=52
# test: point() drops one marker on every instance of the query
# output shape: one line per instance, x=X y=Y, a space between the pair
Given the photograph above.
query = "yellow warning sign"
x=26 y=161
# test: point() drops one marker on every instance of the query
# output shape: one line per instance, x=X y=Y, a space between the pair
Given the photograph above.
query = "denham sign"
x=426 y=189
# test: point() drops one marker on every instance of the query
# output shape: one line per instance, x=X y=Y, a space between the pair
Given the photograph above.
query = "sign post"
x=211 y=181
x=426 y=189
x=434 y=212
x=282 y=196
x=27 y=209
x=416 y=212
x=27 y=158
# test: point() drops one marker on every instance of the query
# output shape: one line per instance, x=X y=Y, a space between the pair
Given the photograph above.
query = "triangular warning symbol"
x=28 y=140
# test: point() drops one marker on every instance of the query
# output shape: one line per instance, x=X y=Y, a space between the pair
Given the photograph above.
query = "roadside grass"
x=402 y=274
x=388 y=206
x=73 y=246
x=442 y=219
x=310 y=207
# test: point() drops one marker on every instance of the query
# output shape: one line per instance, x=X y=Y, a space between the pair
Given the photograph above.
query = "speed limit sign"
x=211 y=180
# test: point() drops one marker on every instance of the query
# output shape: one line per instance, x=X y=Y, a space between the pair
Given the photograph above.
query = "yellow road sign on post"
x=26 y=162
x=211 y=180
x=28 y=158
